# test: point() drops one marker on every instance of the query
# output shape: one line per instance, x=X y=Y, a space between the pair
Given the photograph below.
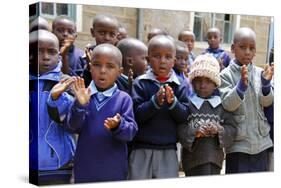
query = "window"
x=203 y=21
x=52 y=10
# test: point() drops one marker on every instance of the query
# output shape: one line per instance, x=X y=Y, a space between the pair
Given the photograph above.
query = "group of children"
x=116 y=110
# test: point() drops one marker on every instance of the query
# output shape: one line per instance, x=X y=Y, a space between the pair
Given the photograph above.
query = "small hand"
x=268 y=72
x=160 y=96
x=112 y=122
x=170 y=97
x=88 y=53
x=244 y=75
x=61 y=87
x=67 y=43
x=213 y=129
x=203 y=131
x=81 y=93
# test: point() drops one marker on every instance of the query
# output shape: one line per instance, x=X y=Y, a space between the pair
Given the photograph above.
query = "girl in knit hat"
x=208 y=128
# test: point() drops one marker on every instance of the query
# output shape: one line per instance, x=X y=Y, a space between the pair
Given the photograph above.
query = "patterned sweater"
x=198 y=151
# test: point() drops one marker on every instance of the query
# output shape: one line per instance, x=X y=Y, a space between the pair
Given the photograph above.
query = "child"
x=51 y=147
x=103 y=117
x=122 y=33
x=155 y=31
x=180 y=67
x=214 y=40
x=65 y=29
x=160 y=103
x=104 y=30
x=39 y=23
x=208 y=128
x=134 y=64
x=188 y=38
x=245 y=90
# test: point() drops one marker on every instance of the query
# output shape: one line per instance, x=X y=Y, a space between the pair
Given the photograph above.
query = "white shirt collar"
x=107 y=93
x=198 y=101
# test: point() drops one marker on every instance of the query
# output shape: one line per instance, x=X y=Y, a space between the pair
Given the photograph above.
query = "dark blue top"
x=158 y=124
x=219 y=54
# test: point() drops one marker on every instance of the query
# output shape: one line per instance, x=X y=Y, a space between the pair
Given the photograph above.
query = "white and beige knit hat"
x=205 y=65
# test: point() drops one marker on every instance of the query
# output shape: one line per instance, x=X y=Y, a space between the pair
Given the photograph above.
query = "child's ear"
x=92 y=32
x=121 y=70
x=129 y=62
x=232 y=48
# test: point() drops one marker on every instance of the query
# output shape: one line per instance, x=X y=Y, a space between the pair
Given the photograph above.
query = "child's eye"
x=101 y=32
x=113 y=34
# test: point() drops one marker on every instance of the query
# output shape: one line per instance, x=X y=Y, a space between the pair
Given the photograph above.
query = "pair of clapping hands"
x=82 y=95
x=208 y=129
x=165 y=93
x=267 y=73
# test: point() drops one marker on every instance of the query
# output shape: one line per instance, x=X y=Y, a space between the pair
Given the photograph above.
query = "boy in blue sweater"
x=160 y=103
x=214 y=40
x=72 y=62
x=103 y=117
x=51 y=148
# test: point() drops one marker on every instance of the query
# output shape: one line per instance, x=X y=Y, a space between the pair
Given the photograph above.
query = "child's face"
x=139 y=64
x=203 y=86
x=48 y=55
x=105 y=32
x=214 y=39
x=161 y=59
x=244 y=50
x=181 y=59
x=188 y=40
x=64 y=29
x=104 y=69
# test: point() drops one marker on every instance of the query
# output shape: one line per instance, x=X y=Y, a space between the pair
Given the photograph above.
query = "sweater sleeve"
x=144 y=108
x=231 y=100
x=228 y=132
x=77 y=116
x=128 y=127
x=59 y=108
x=179 y=110
x=266 y=94
x=186 y=135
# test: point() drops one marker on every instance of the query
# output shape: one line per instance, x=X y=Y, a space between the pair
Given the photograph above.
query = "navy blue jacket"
x=158 y=125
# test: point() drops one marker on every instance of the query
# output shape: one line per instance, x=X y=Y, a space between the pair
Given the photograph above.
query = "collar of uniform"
x=198 y=101
x=151 y=76
x=107 y=93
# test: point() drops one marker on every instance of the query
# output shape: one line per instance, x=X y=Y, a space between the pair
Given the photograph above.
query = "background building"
x=139 y=21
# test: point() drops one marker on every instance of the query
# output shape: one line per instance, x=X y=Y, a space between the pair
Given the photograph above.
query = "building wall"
x=173 y=22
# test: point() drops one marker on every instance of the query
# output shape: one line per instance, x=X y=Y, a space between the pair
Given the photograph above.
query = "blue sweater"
x=101 y=154
x=219 y=54
x=158 y=125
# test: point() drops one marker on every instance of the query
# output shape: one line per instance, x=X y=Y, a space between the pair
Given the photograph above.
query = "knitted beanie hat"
x=205 y=65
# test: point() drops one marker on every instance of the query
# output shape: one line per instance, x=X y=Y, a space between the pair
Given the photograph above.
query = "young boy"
x=155 y=31
x=181 y=66
x=214 y=40
x=103 y=117
x=245 y=90
x=51 y=147
x=188 y=38
x=208 y=128
x=122 y=33
x=160 y=103
x=72 y=62
x=134 y=64
x=105 y=30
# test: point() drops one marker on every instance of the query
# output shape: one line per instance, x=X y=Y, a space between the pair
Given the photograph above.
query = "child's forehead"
x=48 y=42
x=64 y=23
x=107 y=23
x=161 y=47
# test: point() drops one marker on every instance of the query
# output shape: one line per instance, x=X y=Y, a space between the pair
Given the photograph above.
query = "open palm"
x=81 y=93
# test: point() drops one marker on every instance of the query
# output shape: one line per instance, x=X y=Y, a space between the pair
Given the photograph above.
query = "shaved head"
x=244 y=32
